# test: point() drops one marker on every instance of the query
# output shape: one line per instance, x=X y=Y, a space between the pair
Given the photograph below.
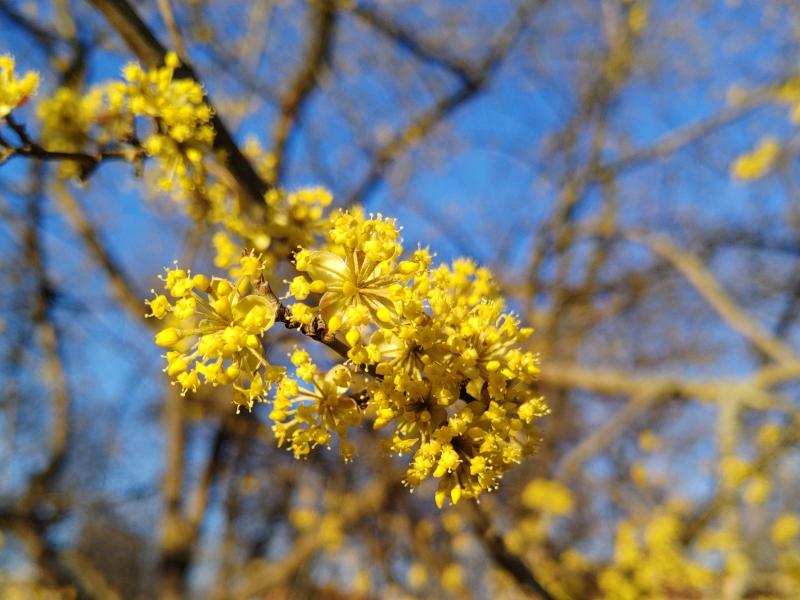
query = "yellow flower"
x=785 y=529
x=439 y=360
x=352 y=281
x=548 y=497
x=184 y=134
x=756 y=163
x=13 y=91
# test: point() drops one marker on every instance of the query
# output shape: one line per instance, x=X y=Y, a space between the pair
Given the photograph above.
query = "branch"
x=751 y=389
x=708 y=287
x=30 y=148
x=323 y=19
x=121 y=285
x=502 y=556
x=263 y=577
x=42 y=316
x=427 y=121
x=420 y=48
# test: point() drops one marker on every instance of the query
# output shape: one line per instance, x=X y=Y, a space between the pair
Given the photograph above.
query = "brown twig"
x=322 y=15
x=443 y=107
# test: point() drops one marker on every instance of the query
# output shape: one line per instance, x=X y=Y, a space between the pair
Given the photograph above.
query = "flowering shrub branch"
x=427 y=353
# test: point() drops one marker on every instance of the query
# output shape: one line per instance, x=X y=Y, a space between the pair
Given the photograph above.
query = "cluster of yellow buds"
x=456 y=384
x=67 y=117
x=214 y=330
x=14 y=91
x=182 y=134
x=298 y=216
x=649 y=562
x=71 y=119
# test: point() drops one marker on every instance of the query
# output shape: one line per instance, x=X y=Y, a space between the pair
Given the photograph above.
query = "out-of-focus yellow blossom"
x=263 y=160
x=756 y=163
x=637 y=17
x=789 y=93
x=330 y=531
x=527 y=531
x=768 y=435
x=734 y=470
x=417 y=576
x=226 y=252
x=547 y=496
x=182 y=135
x=639 y=475
x=785 y=529
x=649 y=441
x=215 y=332
x=757 y=490
x=14 y=91
x=70 y=119
x=303 y=518
x=452 y=578
x=299 y=216
x=650 y=563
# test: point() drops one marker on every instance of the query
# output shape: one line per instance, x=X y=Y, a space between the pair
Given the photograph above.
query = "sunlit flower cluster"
x=14 y=90
x=430 y=355
x=298 y=217
x=182 y=135
x=213 y=331
x=450 y=379
x=651 y=563
x=71 y=119
x=67 y=117
x=307 y=411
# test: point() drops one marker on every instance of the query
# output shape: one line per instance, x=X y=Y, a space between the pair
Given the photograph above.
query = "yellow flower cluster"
x=67 y=117
x=547 y=496
x=215 y=328
x=299 y=216
x=307 y=415
x=431 y=354
x=14 y=91
x=182 y=134
x=785 y=529
x=358 y=276
x=296 y=218
x=450 y=376
x=651 y=563
x=71 y=119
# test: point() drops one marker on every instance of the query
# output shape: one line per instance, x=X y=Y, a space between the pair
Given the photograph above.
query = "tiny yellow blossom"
x=756 y=163
x=785 y=529
x=14 y=91
x=548 y=497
